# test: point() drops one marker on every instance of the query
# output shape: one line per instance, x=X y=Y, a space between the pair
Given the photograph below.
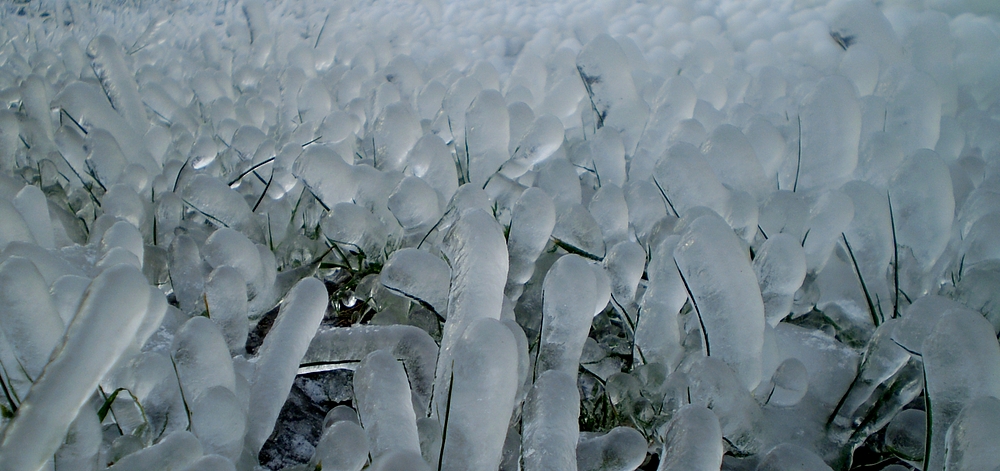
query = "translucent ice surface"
x=383 y=399
x=567 y=313
x=31 y=323
x=117 y=81
x=718 y=276
x=532 y=220
x=604 y=70
x=343 y=447
x=481 y=397
x=102 y=329
x=419 y=275
x=972 y=438
x=390 y=235
x=551 y=428
x=279 y=356
x=410 y=344
x=621 y=449
x=961 y=363
x=475 y=247
x=830 y=130
x=693 y=441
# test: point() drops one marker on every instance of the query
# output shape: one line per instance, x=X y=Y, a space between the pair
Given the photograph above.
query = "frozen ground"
x=601 y=235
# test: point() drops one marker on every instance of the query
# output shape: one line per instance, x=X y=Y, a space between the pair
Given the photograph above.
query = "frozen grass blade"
x=103 y=328
x=665 y=198
x=798 y=160
x=861 y=279
x=280 y=354
x=895 y=259
x=694 y=304
x=930 y=420
x=447 y=417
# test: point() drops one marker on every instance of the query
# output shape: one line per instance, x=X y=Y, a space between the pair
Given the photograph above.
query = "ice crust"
x=725 y=295
x=551 y=426
x=543 y=235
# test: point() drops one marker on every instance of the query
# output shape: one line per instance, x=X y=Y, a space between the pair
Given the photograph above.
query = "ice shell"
x=569 y=299
x=605 y=70
x=961 y=363
x=532 y=220
x=621 y=449
x=481 y=398
x=717 y=273
x=906 y=433
x=576 y=227
x=101 y=331
x=226 y=300
x=31 y=323
x=780 y=266
x=973 y=437
x=279 y=356
x=551 y=423
x=222 y=205
x=693 y=441
x=326 y=174
x=790 y=457
x=420 y=275
x=210 y=463
x=394 y=133
x=923 y=205
x=219 y=421
x=414 y=203
x=831 y=131
x=382 y=395
x=734 y=160
x=202 y=358
x=342 y=447
x=412 y=345
x=487 y=134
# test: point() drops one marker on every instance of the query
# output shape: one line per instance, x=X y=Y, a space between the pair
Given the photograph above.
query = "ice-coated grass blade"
x=102 y=329
x=694 y=304
x=895 y=260
x=280 y=354
x=861 y=279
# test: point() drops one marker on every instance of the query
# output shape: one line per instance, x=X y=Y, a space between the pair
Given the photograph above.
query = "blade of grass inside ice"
x=103 y=328
x=280 y=354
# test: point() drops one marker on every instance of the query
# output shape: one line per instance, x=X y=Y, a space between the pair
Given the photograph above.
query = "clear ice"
x=386 y=235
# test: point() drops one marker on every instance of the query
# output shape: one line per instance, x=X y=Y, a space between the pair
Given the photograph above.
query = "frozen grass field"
x=475 y=236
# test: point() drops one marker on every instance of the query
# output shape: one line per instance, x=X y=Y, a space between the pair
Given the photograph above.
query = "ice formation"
x=441 y=235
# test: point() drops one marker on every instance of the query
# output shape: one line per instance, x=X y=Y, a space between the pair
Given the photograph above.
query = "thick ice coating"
x=30 y=322
x=961 y=363
x=419 y=275
x=693 y=441
x=604 y=70
x=279 y=356
x=382 y=395
x=717 y=274
x=410 y=344
x=201 y=357
x=102 y=329
x=480 y=398
x=830 y=120
x=475 y=247
x=765 y=230
x=342 y=447
x=551 y=423
x=487 y=132
x=621 y=449
x=568 y=310
x=532 y=220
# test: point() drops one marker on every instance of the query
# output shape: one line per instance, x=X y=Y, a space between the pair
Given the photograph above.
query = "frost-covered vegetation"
x=581 y=235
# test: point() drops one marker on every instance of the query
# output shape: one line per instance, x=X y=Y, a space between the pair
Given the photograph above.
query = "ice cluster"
x=581 y=235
